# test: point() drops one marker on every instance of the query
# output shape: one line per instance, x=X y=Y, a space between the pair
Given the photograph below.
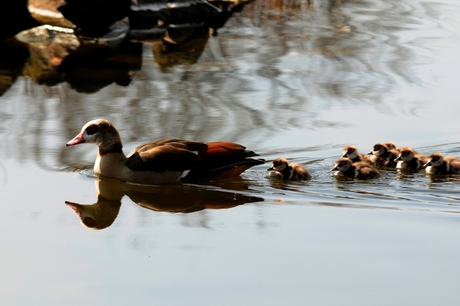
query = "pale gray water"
x=299 y=83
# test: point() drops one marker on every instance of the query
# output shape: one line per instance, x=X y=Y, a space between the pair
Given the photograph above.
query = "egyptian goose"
x=382 y=156
x=409 y=160
x=165 y=160
x=439 y=164
x=344 y=167
x=352 y=153
x=281 y=169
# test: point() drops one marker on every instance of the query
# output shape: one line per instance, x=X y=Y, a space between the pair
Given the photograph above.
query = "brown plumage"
x=409 y=160
x=390 y=145
x=165 y=160
x=281 y=169
x=381 y=156
x=439 y=164
x=352 y=153
x=344 y=167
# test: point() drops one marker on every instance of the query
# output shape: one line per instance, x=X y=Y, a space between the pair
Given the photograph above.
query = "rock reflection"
x=88 y=70
x=56 y=57
x=165 y=198
x=12 y=60
x=168 y=55
x=59 y=55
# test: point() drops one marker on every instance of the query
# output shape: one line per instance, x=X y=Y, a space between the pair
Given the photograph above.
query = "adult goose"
x=164 y=160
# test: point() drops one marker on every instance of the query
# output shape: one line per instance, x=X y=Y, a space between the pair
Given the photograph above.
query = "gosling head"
x=435 y=160
x=343 y=164
x=405 y=154
x=279 y=164
x=378 y=149
x=350 y=151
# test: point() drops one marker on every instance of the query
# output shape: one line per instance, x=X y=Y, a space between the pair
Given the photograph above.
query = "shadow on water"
x=166 y=198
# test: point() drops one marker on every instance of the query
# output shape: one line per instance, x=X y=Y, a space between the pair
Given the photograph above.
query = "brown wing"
x=225 y=150
x=223 y=160
x=177 y=143
x=165 y=154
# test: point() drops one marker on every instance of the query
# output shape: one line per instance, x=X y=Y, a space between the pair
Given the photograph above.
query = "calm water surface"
x=301 y=82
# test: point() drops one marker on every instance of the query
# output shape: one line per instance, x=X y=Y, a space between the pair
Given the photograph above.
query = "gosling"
x=352 y=153
x=381 y=156
x=344 y=167
x=409 y=160
x=438 y=164
x=281 y=169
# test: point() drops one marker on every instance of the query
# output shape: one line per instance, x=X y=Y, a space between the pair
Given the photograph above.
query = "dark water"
x=300 y=82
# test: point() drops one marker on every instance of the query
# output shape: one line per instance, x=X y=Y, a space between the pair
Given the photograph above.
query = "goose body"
x=344 y=167
x=281 y=169
x=164 y=160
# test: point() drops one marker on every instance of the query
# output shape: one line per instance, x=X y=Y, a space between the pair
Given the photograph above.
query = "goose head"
x=100 y=132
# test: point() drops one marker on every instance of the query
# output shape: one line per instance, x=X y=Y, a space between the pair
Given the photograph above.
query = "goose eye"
x=91 y=130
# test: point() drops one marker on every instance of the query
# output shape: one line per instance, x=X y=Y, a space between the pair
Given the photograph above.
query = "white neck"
x=111 y=165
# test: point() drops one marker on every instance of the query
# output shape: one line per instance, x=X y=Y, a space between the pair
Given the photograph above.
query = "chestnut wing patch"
x=223 y=159
x=167 y=154
x=176 y=143
x=225 y=150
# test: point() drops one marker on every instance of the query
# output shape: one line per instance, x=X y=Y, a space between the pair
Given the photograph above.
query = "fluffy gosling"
x=344 y=167
x=409 y=160
x=352 y=153
x=439 y=164
x=382 y=156
x=281 y=169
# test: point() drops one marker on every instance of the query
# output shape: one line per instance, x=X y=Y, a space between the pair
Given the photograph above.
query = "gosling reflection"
x=172 y=198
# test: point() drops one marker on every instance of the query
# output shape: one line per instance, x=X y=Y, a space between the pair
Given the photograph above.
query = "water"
x=299 y=82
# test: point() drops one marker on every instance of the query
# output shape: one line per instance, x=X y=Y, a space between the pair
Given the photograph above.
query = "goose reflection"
x=171 y=198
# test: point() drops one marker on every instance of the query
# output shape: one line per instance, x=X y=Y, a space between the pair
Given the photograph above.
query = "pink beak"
x=77 y=140
x=77 y=208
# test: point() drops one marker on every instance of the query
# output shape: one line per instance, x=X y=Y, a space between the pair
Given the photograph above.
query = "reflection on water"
x=294 y=79
x=165 y=198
